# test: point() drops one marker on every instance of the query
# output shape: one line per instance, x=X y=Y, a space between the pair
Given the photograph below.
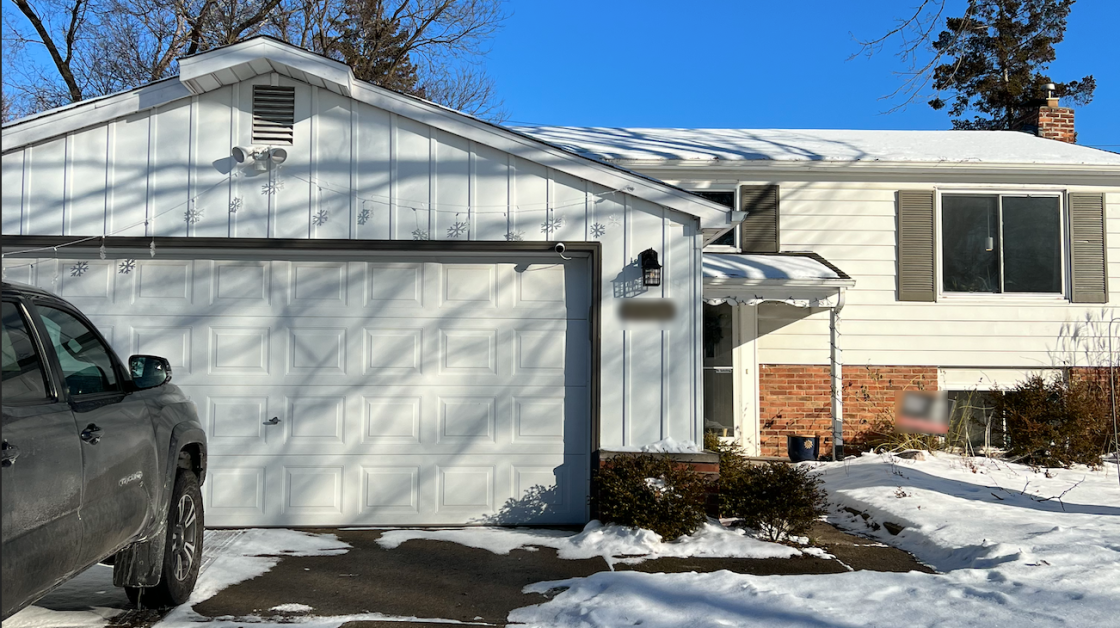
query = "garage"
x=350 y=389
x=364 y=293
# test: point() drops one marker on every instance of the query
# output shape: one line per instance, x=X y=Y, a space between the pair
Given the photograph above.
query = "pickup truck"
x=101 y=460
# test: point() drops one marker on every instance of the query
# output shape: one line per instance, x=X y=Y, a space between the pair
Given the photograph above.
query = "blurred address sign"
x=647 y=310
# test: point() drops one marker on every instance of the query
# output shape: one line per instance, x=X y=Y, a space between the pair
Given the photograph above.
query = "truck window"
x=84 y=360
x=23 y=377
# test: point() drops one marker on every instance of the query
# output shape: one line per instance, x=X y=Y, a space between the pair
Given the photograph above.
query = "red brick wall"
x=797 y=400
x=1098 y=374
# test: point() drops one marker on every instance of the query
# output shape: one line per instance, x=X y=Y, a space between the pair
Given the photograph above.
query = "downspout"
x=837 y=377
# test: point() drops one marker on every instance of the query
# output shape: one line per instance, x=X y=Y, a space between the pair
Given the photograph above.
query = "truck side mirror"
x=149 y=371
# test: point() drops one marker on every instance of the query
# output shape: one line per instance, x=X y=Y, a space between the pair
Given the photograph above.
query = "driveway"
x=428 y=579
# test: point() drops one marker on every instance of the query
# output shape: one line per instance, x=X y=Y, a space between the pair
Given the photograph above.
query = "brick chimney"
x=1054 y=122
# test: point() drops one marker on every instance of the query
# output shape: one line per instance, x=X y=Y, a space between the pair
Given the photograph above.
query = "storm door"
x=719 y=371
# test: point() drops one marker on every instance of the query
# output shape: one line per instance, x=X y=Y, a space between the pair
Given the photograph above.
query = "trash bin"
x=802 y=448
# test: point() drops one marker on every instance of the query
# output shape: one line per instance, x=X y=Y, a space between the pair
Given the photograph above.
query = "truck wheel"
x=183 y=551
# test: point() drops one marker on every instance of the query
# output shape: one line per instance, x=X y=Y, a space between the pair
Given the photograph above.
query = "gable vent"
x=274 y=112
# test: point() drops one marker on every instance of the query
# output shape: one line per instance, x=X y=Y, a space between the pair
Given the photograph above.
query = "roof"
x=787 y=269
x=805 y=145
x=237 y=62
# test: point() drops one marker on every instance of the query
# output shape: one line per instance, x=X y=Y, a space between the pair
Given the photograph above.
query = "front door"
x=42 y=471
x=719 y=370
x=731 y=374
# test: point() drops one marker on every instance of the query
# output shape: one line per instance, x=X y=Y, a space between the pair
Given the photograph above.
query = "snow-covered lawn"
x=1012 y=555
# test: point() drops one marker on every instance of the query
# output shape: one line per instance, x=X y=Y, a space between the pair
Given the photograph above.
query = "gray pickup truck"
x=102 y=461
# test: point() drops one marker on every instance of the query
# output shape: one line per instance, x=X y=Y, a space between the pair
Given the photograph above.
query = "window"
x=726 y=199
x=23 y=376
x=84 y=360
x=993 y=243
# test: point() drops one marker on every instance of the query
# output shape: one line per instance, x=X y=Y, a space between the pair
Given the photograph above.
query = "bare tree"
x=428 y=48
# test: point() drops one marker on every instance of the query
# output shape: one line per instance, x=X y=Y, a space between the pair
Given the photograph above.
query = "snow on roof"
x=769 y=267
x=1004 y=147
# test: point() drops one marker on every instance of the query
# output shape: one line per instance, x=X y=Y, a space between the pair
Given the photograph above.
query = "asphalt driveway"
x=444 y=580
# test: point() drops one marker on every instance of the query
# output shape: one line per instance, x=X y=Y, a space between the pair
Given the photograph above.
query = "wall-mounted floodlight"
x=258 y=156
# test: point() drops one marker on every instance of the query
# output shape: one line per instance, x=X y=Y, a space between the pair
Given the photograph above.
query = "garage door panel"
x=241 y=286
x=316 y=352
x=393 y=287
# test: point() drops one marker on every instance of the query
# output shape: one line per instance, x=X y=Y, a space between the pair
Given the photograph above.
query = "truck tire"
x=183 y=551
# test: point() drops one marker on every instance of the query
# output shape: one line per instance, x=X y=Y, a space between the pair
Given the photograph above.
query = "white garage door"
x=397 y=390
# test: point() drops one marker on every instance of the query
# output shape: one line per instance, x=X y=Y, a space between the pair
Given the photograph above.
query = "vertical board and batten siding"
x=853 y=225
x=358 y=172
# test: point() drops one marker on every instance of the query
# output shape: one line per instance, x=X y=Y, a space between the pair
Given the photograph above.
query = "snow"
x=1016 y=559
x=292 y=608
x=663 y=446
x=615 y=544
x=835 y=145
x=765 y=267
x=235 y=556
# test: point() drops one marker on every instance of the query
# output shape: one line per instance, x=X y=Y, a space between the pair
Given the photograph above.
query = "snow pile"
x=292 y=608
x=235 y=556
x=663 y=446
x=615 y=544
x=38 y=617
x=1013 y=556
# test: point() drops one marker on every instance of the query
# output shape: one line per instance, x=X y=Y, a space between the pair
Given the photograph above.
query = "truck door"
x=42 y=471
x=117 y=440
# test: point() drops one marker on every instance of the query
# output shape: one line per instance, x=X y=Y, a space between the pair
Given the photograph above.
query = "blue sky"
x=747 y=64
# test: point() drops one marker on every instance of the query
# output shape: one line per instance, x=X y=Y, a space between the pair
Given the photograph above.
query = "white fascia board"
x=192 y=70
x=711 y=214
x=693 y=169
x=89 y=113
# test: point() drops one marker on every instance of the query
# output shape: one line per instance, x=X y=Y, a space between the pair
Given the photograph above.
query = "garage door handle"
x=273 y=421
x=11 y=452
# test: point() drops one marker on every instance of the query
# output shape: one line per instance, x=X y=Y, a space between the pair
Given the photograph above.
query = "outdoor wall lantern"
x=651 y=269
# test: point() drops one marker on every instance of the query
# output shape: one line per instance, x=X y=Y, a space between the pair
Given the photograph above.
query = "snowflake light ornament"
x=552 y=224
x=420 y=234
x=515 y=236
x=270 y=188
x=363 y=217
x=235 y=204
x=192 y=215
x=598 y=230
x=127 y=266
x=79 y=269
x=457 y=229
x=612 y=220
x=320 y=218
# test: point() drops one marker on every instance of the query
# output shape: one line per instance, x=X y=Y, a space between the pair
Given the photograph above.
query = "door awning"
x=799 y=279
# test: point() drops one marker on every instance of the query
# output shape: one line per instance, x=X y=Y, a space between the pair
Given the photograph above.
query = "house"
x=973 y=258
x=363 y=292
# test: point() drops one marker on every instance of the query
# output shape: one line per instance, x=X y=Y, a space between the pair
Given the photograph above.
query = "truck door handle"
x=10 y=453
x=92 y=434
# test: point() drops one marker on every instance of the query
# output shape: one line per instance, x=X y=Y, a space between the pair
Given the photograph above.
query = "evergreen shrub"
x=1055 y=423
x=651 y=492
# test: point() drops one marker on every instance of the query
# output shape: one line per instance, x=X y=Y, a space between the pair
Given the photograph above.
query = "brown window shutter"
x=1087 y=248
x=917 y=238
x=758 y=233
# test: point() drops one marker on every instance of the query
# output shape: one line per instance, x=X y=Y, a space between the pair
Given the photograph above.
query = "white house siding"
x=167 y=172
x=852 y=224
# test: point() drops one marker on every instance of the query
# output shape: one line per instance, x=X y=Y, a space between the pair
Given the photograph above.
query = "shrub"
x=777 y=499
x=1055 y=423
x=651 y=492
